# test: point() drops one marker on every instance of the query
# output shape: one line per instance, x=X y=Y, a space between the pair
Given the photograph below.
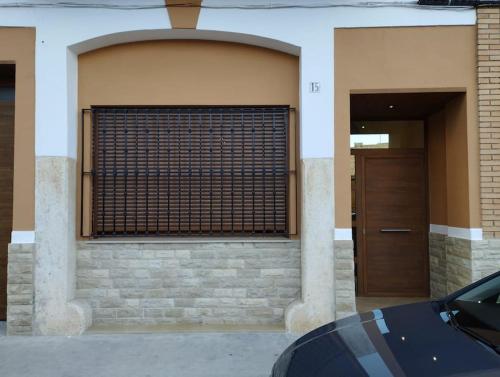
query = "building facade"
x=243 y=163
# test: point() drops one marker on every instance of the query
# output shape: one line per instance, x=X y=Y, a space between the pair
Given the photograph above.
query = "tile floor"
x=366 y=304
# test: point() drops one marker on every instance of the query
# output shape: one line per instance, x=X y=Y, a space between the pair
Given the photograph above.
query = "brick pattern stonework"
x=437 y=264
x=244 y=283
x=345 y=299
x=485 y=258
x=489 y=117
x=458 y=263
x=455 y=263
x=20 y=289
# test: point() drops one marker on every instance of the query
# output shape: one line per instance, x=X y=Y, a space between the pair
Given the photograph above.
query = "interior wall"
x=17 y=46
x=187 y=72
x=402 y=134
x=409 y=59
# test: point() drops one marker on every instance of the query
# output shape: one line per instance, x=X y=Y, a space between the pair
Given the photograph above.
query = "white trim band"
x=22 y=236
x=343 y=234
x=438 y=229
x=471 y=234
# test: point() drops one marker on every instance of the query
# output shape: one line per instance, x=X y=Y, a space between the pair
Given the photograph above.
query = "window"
x=478 y=312
x=188 y=171
x=370 y=141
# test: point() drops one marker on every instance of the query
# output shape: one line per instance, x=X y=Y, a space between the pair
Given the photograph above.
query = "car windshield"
x=478 y=311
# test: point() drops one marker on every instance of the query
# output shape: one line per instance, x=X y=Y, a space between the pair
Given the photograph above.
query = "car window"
x=487 y=292
x=478 y=310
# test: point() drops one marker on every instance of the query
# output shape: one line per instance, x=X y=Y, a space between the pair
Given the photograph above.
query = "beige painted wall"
x=182 y=16
x=187 y=73
x=412 y=59
x=446 y=141
x=460 y=209
x=17 y=45
x=436 y=160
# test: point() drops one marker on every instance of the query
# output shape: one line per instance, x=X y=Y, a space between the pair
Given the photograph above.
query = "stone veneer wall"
x=485 y=258
x=345 y=295
x=455 y=262
x=20 y=289
x=458 y=263
x=206 y=282
x=437 y=262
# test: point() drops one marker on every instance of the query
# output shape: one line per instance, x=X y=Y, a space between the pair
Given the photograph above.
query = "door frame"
x=360 y=260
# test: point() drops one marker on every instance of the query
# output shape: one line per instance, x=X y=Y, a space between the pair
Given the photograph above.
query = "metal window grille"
x=185 y=171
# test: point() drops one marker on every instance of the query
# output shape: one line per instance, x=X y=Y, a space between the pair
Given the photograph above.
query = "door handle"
x=395 y=230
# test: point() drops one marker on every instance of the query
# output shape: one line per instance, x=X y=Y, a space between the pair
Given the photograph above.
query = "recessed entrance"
x=7 y=79
x=391 y=169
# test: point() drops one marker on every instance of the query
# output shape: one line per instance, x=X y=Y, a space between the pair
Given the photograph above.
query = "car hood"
x=407 y=340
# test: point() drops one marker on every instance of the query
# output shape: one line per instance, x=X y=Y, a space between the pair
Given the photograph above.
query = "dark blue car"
x=456 y=336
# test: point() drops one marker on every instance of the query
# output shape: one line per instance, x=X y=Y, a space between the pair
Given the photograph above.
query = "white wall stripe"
x=22 y=236
x=472 y=234
x=343 y=234
x=439 y=229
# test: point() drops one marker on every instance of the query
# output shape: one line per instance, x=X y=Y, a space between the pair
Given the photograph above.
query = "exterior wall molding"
x=471 y=234
x=182 y=34
x=22 y=237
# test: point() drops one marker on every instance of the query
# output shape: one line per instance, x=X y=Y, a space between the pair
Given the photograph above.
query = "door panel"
x=392 y=214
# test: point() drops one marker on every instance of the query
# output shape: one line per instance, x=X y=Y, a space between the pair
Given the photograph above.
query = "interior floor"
x=366 y=304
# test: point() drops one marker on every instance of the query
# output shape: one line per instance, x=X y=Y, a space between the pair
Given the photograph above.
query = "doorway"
x=391 y=219
x=390 y=172
x=7 y=106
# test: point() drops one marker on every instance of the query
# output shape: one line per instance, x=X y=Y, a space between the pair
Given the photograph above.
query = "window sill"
x=187 y=240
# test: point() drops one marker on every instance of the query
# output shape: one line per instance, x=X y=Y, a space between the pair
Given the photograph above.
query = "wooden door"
x=391 y=207
x=6 y=181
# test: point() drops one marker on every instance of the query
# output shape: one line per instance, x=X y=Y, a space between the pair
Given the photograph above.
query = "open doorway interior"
x=390 y=194
x=7 y=106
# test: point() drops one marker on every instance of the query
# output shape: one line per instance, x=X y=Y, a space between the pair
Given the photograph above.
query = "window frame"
x=85 y=189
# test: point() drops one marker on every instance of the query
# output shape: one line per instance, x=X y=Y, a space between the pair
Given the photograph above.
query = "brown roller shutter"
x=187 y=171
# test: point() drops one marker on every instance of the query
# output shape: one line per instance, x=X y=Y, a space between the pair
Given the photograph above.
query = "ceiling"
x=397 y=106
x=7 y=72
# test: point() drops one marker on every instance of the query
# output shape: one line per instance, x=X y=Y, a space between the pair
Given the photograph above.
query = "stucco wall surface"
x=379 y=60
